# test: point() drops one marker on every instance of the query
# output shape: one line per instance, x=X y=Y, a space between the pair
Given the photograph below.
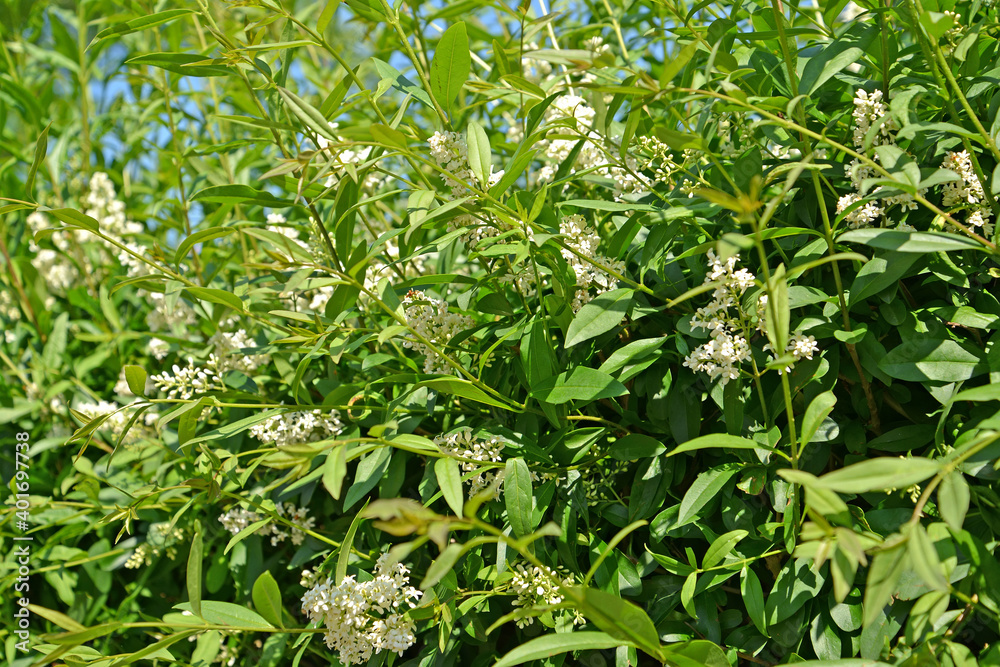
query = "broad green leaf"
x=400 y=82
x=619 y=618
x=598 y=316
x=135 y=377
x=953 y=499
x=880 y=273
x=635 y=446
x=818 y=410
x=480 y=155
x=673 y=66
x=634 y=351
x=579 y=384
x=696 y=653
x=449 y=479
x=705 y=487
x=797 y=584
x=879 y=474
x=833 y=58
x=517 y=496
x=369 y=473
x=933 y=359
x=227 y=613
x=550 y=645
x=387 y=135
x=195 y=558
x=267 y=599
x=451 y=65
x=923 y=557
x=936 y=23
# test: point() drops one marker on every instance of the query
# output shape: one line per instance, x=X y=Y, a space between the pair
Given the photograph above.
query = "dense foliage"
x=470 y=333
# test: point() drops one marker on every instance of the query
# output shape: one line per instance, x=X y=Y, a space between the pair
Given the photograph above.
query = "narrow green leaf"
x=909 y=241
x=673 y=66
x=720 y=548
x=137 y=24
x=75 y=218
x=227 y=613
x=334 y=471
x=442 y=565
x=886 y=568
x=718 y=441
x=579 y=384
x=308 y=114
x=200 y=237
x=238 y=194
x=344 y=554
x=480 y=155
x=325 y=16
x=705 y=487
x=879 y=474
x=217 y=296
x=195 y=559
x=619 y=618
x=41 y=147
x=753 y=599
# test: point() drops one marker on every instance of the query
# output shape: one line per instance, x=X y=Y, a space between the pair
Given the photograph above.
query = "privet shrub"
x=472 y=334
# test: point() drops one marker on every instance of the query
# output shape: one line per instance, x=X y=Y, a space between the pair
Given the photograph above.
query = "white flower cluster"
x=104 y=206
x=228 y=350
x=183 y=383
x=539 y=585
x=365 y=618
x=238 y=519
x=967 y=193
x=582 y=238
x=799 y=346
x=159 y=348
x=727 y=348
x=160 y=539
x=167 y=311
x=451 y=152
x=431 y=319
x=869 y=112
x=462 y=444
x=294 y=428
x=276 y=223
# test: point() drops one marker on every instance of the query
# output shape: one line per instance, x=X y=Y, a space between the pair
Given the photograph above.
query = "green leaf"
x=886 y=568
x=687 y=594
x=935 y=359
x=137 y=24
x=451 y=65
x=909 y=241
x=462 y=388
x=673 y=66
x=797 y=584
x=619 y=618
x=879 y=274
x=267 y=599
x=480 y=156
x=135 y=376
x=598 y=316
x=74 y=218
x=705 y=487
x=923 y=557
x=832 y=59
x=308 y=114
x=41 y=147
x=400 y=82
x=953 y=499
x=777 y=313
x=83 y=636
x=547 y=646
x=238 y=194
x=603 y=205
x=325 y=16
x=697 y=653
x=635 y=446
x=344 y=553
x=389 y=136
x=718 y=441
x=879 y=474
x=442 y=565
x=186 y=64
x=200 y=237
x=517 y=496
x=818 y=410
x=936 y=23
x=217 y=296
x=753 y=598
x=227 y=613
x=334 y=471
x=449 y=479
x=368 y=474
x=721 y=547
x=195 y=559
x=578 y=384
